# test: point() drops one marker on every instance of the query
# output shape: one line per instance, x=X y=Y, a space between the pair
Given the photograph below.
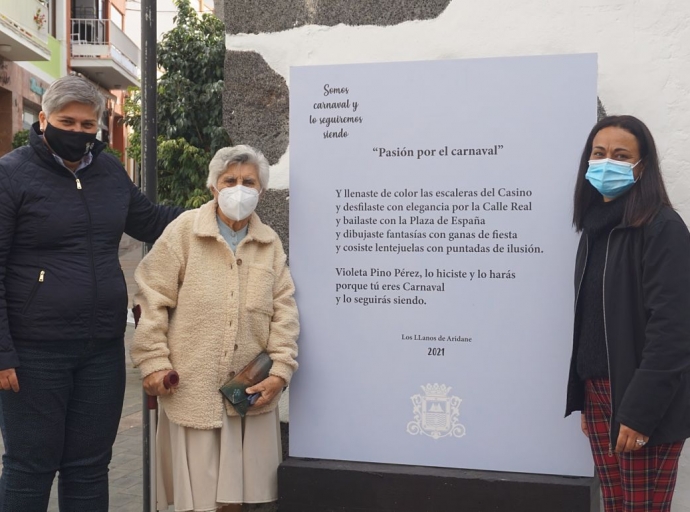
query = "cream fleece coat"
x=207 y=312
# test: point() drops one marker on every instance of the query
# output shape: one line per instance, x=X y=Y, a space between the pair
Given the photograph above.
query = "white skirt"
x=202 y=470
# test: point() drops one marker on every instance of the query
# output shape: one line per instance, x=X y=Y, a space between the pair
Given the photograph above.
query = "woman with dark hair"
x=630 y=366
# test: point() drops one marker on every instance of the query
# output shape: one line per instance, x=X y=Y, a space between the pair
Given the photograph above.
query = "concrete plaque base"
x=310 y=485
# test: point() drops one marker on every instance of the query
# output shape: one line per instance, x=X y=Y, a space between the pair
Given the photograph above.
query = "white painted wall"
x=644 y=67
x=643 y=47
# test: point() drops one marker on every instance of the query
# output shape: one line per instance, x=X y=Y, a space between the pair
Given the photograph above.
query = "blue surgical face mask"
x=611 y=177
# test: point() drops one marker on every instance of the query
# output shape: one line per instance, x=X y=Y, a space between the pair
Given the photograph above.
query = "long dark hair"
x=644 y=200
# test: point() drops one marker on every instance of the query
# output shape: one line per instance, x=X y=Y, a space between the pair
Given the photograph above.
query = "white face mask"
x=238 y=202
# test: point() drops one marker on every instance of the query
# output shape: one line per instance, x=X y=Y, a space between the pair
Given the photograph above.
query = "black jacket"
x=60 y=277
x=647 y=327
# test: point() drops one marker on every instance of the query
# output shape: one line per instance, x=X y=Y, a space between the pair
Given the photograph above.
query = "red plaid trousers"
x=639 y=481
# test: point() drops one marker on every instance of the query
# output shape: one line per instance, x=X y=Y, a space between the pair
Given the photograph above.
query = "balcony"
x=102 y=52
x=23 y=30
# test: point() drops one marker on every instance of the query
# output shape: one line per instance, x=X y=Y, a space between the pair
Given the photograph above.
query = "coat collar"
x=205 y=224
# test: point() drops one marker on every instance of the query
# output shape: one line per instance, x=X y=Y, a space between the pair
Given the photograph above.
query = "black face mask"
x=70 y=146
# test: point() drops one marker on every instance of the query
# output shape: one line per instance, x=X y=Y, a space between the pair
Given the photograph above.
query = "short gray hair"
x=226 y=157
x=69 y=89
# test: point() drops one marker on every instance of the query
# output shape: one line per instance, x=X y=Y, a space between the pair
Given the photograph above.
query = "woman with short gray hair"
x=225 y=157
x=215 y=292
x=64 y=205
x=72 y=89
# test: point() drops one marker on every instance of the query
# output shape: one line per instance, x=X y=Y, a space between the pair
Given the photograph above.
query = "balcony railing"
x=27 y=18
x=92 y=38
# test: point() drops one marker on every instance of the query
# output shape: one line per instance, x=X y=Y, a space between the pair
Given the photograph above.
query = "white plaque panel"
x=432 y=250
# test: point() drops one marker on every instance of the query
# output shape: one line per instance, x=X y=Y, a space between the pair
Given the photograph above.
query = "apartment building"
x=165 y=16
x=102 y=52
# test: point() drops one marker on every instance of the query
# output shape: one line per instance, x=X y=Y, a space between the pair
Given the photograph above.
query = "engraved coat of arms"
x=436 y=413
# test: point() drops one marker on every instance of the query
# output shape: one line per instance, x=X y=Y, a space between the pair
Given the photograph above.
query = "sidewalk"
x=126 y=492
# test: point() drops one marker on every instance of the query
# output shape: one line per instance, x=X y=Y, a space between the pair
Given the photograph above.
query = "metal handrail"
x=91 y=31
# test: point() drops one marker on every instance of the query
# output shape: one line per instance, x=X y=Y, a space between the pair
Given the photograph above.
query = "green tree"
x=189 y=107
x=115 y=152
x=21 y=138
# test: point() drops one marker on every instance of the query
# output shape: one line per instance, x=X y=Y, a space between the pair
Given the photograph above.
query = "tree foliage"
x=115 y=152
x=21 y=138
x=189 y=107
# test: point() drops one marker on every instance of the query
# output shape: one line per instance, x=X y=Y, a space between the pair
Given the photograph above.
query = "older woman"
x=215 y=292
x=64 y=205
x=630 y=370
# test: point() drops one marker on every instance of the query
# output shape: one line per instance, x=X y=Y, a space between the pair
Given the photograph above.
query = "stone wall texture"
x=255 y=104
x=261 y=16
x=273 y=210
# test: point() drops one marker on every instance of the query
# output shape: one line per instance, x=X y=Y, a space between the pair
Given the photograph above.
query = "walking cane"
x=171 y=380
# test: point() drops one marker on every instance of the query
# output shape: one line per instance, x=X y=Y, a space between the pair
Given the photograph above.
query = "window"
x=83 y=9
x=29 y=117
x=89 y=9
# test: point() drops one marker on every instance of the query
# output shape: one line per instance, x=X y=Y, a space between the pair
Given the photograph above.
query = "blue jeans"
x=64 y=418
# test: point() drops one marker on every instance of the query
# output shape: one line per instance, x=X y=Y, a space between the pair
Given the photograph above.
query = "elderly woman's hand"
x=154 y=386
x=268 y=388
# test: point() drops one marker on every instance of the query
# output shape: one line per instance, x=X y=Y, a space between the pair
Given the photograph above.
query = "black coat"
x=60 y=277
x=647 y=326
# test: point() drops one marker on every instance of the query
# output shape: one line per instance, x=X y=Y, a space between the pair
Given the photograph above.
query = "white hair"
x=226 y=157
x=69 y=89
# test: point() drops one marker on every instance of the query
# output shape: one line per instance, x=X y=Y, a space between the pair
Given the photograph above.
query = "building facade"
x=30 y=31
